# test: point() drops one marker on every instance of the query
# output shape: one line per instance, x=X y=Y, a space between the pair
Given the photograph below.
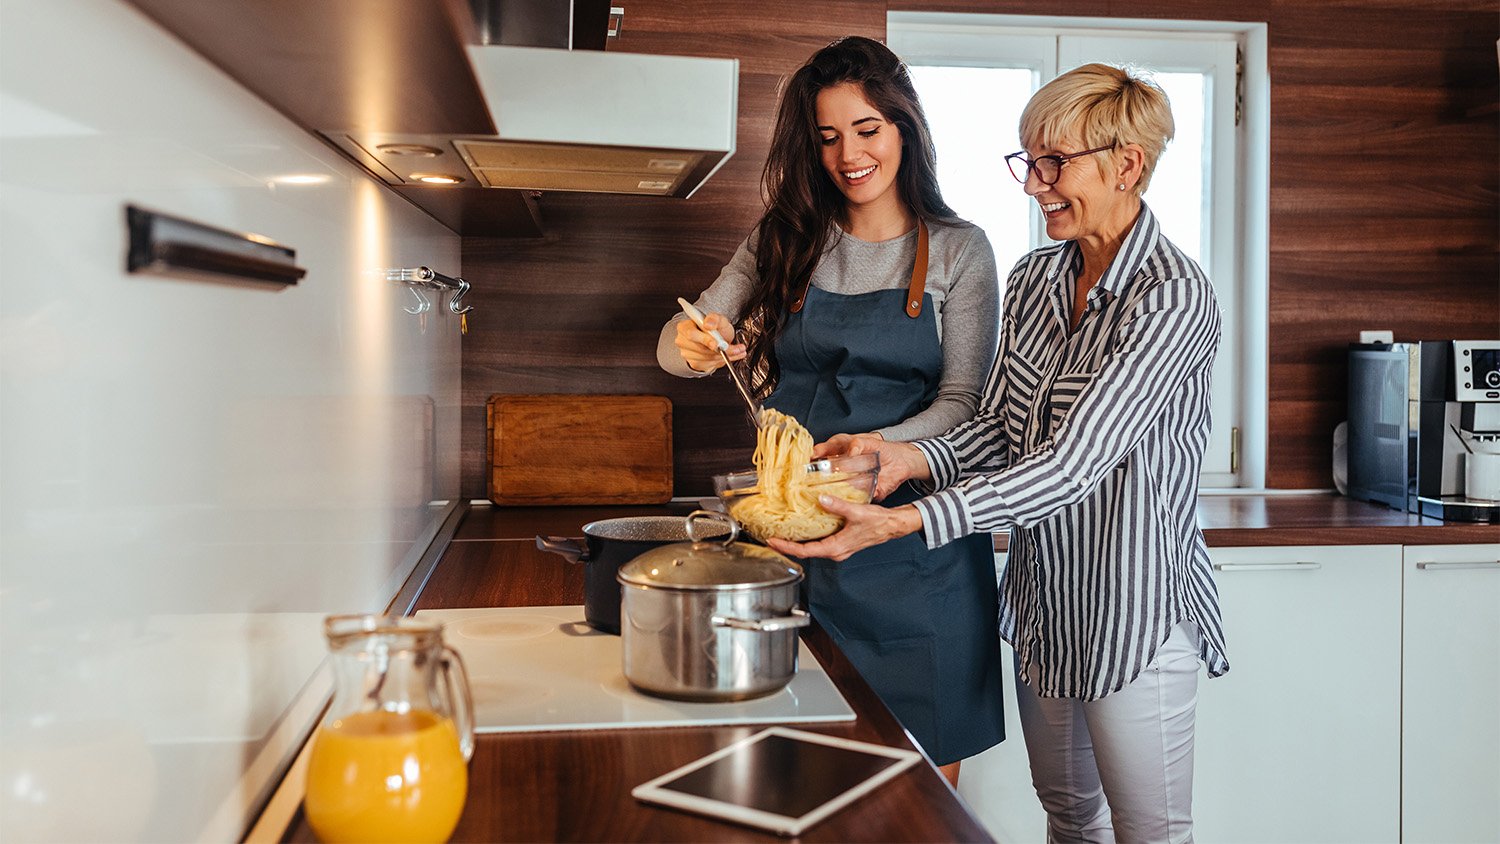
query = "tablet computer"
x=780 y=779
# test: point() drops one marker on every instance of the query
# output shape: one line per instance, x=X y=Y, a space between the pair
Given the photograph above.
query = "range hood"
x=573 y=120
x=511 y=97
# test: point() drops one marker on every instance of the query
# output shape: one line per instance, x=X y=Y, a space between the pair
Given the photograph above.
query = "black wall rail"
x=167 y=245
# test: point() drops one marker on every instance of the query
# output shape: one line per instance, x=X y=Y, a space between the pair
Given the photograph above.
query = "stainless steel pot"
x=710 y=620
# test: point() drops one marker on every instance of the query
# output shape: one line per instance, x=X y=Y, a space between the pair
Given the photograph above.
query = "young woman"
x=862 y=303
x=1088 y=449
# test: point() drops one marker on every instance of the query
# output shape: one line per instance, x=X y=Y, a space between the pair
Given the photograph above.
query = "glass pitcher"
x=390 y=760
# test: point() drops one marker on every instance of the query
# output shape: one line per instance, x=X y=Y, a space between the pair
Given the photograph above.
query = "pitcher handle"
x=456 y=681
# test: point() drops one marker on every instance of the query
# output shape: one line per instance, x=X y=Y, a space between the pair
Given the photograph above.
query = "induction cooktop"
x=543 y=668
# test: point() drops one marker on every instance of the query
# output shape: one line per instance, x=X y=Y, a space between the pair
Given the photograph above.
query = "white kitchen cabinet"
x=1450 y=694
x=1300 y=741
x=997 y=783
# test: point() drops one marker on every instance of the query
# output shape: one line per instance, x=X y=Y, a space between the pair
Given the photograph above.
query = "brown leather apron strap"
x=918 y=274
x=797 y=303
x=914 y=288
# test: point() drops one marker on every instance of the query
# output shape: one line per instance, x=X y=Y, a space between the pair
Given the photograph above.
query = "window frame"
x=1240 y=223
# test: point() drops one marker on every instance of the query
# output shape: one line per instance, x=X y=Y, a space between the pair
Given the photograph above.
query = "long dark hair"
x=801 y=200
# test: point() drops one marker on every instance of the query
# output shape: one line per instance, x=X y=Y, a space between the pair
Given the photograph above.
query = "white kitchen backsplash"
x=192 y=474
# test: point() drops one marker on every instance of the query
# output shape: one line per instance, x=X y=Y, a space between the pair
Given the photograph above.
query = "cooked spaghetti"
x=784 y=503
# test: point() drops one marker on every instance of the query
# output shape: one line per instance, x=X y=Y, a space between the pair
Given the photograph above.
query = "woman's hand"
x=840 y=445
x=899 y=462
x=864 y=525
x=699 y=350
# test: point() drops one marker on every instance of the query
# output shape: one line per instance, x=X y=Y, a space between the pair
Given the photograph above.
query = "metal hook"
x=423 y=305
x=422 y=277
x=463 y=287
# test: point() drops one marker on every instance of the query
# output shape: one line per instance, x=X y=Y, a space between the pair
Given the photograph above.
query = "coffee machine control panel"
x=1476 y=370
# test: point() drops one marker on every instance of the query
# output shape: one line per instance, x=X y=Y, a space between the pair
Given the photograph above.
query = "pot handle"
x=798 y=618
x=572 y=550
x=721 y=520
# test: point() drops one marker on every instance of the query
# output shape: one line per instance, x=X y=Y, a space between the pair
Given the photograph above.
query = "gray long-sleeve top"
x=961 y=280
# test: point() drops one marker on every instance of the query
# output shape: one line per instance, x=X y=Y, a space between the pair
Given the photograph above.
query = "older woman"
x=1087 y=449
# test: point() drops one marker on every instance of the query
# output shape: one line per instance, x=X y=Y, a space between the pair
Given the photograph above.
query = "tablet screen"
x=781 y=775
x=780 y=779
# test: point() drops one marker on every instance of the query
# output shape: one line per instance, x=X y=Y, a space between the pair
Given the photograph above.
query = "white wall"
x=191 y=474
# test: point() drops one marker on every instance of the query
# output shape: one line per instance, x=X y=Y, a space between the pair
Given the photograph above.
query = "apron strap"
x=918 y=274
x=914 y=288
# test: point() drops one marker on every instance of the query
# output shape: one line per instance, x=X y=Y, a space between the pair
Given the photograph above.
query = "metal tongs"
x=697 y=317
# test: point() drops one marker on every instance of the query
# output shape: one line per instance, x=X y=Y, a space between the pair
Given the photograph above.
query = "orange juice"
x=386 y=776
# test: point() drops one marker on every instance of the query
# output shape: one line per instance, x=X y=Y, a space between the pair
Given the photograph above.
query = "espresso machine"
x=1424 y=427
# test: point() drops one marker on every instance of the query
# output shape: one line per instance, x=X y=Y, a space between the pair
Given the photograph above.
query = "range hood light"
x=417 y=150
x=437 y=178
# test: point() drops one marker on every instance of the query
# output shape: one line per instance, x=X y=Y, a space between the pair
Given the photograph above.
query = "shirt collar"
x=1139 y=243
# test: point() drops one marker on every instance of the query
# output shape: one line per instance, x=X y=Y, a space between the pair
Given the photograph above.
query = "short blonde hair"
x=1098 y=105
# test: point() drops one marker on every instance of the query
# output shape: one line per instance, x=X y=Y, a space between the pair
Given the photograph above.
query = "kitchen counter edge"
x=1314 y=518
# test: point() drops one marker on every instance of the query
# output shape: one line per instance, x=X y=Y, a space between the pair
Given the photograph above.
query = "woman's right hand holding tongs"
x=699 y=350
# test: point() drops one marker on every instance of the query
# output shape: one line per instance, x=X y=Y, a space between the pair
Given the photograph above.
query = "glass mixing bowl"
x=851 y=478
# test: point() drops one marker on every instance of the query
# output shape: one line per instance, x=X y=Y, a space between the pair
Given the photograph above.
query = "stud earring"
x=1122 y=186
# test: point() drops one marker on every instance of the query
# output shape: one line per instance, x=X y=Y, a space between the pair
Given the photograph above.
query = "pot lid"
x=650 y=529
x=710 y=565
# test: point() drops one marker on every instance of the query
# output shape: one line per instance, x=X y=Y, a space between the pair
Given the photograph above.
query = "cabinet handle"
x=1267 y=566
x=1477 y=564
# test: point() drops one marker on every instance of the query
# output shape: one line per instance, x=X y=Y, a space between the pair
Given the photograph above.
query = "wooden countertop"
x=1226 y=520
x=575 y=786
x=1325 y=519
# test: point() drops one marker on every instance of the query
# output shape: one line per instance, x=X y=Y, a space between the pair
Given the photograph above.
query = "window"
x=975 y=74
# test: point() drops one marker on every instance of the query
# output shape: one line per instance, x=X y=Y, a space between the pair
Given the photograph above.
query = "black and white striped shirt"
x=1087 y=447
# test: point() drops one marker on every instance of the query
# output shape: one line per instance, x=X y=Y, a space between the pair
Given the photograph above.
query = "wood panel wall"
x=1384 y=197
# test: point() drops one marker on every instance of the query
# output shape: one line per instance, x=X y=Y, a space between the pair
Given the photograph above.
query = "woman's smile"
x=860 y=176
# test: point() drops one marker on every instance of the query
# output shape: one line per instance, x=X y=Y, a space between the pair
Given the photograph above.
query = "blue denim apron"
x=920 y=625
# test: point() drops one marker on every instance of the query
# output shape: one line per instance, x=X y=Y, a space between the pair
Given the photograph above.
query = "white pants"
x=1119 y=768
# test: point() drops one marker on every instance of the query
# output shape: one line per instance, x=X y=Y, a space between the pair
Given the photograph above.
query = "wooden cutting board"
x=579 y=449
